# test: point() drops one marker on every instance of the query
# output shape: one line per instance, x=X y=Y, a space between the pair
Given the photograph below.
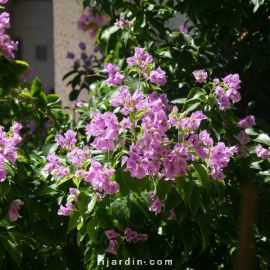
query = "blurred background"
x=32 y=25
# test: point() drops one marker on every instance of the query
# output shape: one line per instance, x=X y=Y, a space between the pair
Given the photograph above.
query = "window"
x=41 y=53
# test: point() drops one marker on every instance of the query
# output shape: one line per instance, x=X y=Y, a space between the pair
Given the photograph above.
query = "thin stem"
x=99 y=75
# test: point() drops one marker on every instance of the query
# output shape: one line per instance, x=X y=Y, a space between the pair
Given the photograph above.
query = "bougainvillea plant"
x=139 y=178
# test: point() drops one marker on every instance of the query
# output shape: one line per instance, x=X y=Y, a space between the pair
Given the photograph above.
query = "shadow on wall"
x=32 y=25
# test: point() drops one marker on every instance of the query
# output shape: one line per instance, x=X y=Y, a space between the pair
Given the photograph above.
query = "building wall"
x=32 y=26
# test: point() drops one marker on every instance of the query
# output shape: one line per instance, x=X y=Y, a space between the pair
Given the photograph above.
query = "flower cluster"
x=129 y=236
x=152 y=153
x=80 y=104
x=219 y=159
x=229 y=90
x=113 y=242
x=183 y=29
x=8 y=152
x=13 y=213
x=122 y=23
x=98 y=175
x=200 y=75
x=67 y=142
x=74 y=192
x=157 y=205
x=66 y=211
x=100 y=178
x=247 y=122
x=262 y=152
x=95 y=21
x=134 y=236
x=84 y=61
x=242 y=136
x=7 y=46
x=124 y=98
x=53 y=166
x=97 y=128
x=115 y=76
x=144 y=60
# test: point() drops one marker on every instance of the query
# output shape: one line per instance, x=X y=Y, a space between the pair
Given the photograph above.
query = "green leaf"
x=196 y=93
x=92 y=229
x=26 y=95
x=86 y=3
x=86 y=204
x=185 y=186
x=179 y=101
x=180 y=213
x=117 y=48
x=203 y=175
x=165 y=54
x=143 y=250
x=163 y=188
x=133 y=183
x=127 y=257
x=119 y=225
x=263 y=138
x=19 y=68
x=257 y=4
x=139 y=114
x=173 y=199
x=185 y=236
x=252 y=131
x=255 y=165
x=89 y=26
x=120 y=210
x=205 y=236
x=2 y=253
x=4 y=88
x=137 y=201
x=52 y=99
x=9 y=169
x=11 y=80
x=4 y=188
x=106 y=34
x=118 y=178
x=81 y=120
x=5 y=69
x=49 y=147
x=194 y=200
x=66 y=179
x=133 y=69
x=94 y=259
x=46 y=191
x=13 y=249
x=191 y=105
x=123 y=36
x=220 y=186
x=194 y=99
x=74 y=220
x=36 y=88
x=35 y=116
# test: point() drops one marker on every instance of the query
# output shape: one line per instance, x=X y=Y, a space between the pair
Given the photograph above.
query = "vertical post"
x=247 y=216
